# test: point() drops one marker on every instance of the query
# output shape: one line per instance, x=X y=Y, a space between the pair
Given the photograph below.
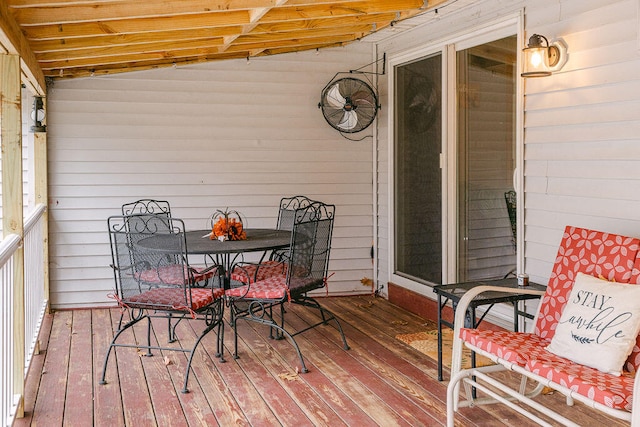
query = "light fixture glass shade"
x=38 y=115
x=536 y=62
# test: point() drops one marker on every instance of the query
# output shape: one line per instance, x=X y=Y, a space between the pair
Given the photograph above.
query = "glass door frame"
x=504 y=27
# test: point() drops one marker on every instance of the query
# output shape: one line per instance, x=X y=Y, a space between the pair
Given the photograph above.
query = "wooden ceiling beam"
x=314 y=41
x=93 y=63
x=114 y=11
x=177 y=54
x=133 y=25
x=131 y=49
x=176 y=37
x=14 y=41
x=358 y=30
x=256 y=15
x=289 y=13
x=30 y=13
x=139 y=66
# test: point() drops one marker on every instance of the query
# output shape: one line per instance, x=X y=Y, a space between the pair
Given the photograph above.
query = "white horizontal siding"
x=203 y=137
x=582 y=128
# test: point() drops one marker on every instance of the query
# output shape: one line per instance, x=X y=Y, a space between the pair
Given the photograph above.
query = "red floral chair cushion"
x=599 y=254
x=610 y=390
x=247 y=273
x=514 y=347
x=173 y=274
x=270 y=288
x=274 y=287
x=163 y=298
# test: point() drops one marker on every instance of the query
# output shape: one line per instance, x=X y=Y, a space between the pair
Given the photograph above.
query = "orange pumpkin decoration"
x=229 y=227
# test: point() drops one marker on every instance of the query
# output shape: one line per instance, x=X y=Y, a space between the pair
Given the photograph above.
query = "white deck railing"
x=8 y=247
x=35 y=302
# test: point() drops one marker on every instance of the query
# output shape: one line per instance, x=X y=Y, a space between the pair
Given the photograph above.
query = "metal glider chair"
x=307 y=265
x=154 y=283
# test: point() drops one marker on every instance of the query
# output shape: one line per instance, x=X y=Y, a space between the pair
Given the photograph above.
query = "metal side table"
x=454 y=292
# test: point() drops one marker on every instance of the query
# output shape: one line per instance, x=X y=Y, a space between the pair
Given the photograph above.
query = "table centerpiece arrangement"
x=227 y=225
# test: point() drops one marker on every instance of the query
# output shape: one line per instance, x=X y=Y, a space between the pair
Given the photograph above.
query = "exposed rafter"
x=70 y=38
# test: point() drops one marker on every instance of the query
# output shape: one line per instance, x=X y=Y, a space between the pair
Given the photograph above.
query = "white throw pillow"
x=599 y=325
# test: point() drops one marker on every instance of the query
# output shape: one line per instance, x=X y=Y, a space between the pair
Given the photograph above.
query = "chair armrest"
x=461 y=311
x=635 y=408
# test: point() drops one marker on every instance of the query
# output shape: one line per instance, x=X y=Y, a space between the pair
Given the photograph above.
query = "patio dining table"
x=224 y=253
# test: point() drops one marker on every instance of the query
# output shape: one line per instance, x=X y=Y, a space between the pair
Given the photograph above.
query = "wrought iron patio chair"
x=147 y=206
x=139 y=209
x=153 y=283
x=510 y=201
x=275 y=264
x=307 y=265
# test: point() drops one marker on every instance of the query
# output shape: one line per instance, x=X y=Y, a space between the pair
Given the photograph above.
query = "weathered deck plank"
x=107 y=404
x=53 y=383
x=379 y=381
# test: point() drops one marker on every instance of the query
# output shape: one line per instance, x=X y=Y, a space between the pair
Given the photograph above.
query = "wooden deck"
x=379 y=381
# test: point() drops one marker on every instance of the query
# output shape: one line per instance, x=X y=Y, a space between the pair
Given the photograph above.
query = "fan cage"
x=349 y=105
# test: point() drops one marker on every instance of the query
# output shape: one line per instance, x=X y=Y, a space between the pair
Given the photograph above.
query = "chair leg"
x=172 y=327
x=278 y=335
x=120 y=330
x=258 y=312
x=326 y=315
x=149 y=354
x=214 y=320
x=235 y=338
x=220 y=334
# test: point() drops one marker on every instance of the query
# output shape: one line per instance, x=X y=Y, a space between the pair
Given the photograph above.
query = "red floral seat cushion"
x=247 y=273
x=173 y=274
x=173 y=298
x=270 y=288
x=274 y=287
x=610 y=390
x=514 y=347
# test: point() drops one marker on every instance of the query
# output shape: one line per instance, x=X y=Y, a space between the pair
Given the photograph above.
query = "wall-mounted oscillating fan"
x=349 y=105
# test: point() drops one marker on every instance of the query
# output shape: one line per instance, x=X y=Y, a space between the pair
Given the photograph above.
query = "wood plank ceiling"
x=75 y=38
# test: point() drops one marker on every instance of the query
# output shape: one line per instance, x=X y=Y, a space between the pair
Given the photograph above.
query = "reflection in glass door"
x=418 y=176
x=486 y=136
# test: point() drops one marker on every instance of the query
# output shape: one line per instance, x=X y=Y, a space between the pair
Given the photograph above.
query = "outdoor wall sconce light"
x=542 y=58
x=38 y=115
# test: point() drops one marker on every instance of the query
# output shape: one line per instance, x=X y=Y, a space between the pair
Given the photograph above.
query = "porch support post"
x=12 y=218
x=42 y=196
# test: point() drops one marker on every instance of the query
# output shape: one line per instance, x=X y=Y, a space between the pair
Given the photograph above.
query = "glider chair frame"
x=153 y=283
x=612 y=257
x=306 y=270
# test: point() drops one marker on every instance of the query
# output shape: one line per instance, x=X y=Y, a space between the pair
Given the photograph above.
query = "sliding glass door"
x=486 y=135
x=418 y=178
x=451 y=171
